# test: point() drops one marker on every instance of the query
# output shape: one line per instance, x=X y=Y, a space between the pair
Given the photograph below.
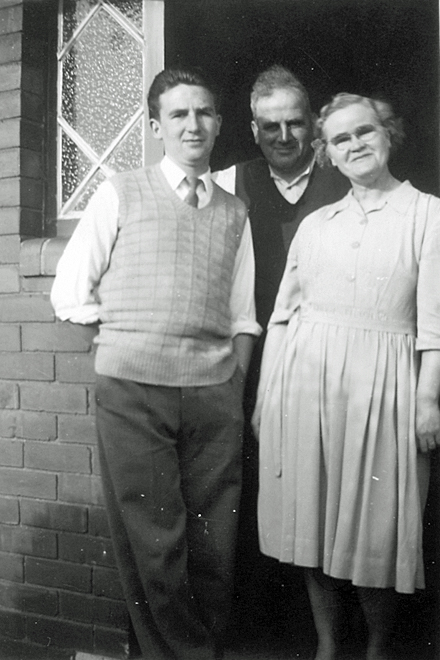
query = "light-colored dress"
x=338 y=459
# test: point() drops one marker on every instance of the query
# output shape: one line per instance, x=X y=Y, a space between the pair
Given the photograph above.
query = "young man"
x=163 y=260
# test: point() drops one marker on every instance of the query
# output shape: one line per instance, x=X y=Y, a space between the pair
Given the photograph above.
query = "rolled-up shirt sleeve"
x=86 y=258
x=428 y=283
x=242 y=303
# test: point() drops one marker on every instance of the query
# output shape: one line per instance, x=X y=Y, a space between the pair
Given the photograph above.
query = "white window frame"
x=151 y=40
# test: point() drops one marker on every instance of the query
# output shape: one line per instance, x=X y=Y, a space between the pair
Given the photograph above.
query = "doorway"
x=381 y=48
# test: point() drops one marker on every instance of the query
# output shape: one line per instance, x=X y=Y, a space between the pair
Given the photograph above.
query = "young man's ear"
x=156 y=128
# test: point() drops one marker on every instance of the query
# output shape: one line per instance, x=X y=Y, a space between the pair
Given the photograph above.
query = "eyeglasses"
x=366 y=133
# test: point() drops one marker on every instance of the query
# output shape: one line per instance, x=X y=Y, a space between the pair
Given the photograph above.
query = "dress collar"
x=399 y=199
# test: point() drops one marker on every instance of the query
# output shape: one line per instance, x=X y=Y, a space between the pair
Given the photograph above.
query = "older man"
x=279 y=189
x=285 y=185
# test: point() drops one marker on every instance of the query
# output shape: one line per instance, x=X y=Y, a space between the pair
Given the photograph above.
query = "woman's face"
x=357 y=143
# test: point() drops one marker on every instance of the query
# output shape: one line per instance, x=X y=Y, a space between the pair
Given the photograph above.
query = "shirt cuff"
x=246 y=328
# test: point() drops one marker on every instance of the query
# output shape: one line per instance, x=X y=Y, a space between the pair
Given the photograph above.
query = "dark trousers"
x=171 y=470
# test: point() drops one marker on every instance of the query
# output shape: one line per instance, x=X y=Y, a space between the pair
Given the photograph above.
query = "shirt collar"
x=288 y=184
x=399 y=200
x=175 y=175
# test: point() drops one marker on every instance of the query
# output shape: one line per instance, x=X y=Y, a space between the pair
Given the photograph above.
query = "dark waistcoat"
x=274 y=221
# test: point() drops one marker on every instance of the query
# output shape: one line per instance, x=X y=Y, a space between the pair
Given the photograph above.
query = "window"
x=108 y=51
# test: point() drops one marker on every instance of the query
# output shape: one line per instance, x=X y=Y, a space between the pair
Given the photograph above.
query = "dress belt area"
x=354 y=317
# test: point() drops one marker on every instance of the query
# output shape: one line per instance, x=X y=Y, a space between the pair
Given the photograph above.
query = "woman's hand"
x=427 y=402
x=427 y=425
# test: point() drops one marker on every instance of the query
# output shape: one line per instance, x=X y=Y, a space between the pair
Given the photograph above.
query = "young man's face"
x=283 y=129
x=188 y=125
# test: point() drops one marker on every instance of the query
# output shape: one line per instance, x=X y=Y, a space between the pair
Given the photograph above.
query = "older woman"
x=347 y=409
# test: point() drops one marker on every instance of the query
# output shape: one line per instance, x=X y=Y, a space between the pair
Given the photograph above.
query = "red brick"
x=9 y=188
x=111 y=642
x=11 y=18
x=10 y=76
x=28 y=599
x=11 y=453
x=10 y=48
x=9 y=219
x=91 y=399
x=28 y=425
x=98 y=522
x=54 y=632
x=80 y=489
x=77 y=428
x=11 y=567
x=8 y=423
x=89 y=609
x=9 y=249
x=13 y=624
x=8 y=395
x=96 y=465
x=71 y=368
x=85 y=549
x=25 y=308
x=58 y=574
x=53 y=515
x=106 y=583
x=37 y=284
x=53 y=397
x=9 y=161
x=9 y=511
x=28 y=483
x=36 y=425
x=28 y=541
x=56 y=457
x=10 y=139
x=9 y=279
x=53 y=337
x=10 y=337
x=27 y=366
x=10 y=103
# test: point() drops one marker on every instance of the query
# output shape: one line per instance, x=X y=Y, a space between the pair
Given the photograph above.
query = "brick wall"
x=58 y=582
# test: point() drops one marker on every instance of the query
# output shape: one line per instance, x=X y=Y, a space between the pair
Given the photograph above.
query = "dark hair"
x=382 y=109
x=273 y=78
x=173 y=76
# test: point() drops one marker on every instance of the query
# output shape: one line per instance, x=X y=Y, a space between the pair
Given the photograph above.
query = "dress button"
x=356 y=244
x=351 y=278
x=363 y=221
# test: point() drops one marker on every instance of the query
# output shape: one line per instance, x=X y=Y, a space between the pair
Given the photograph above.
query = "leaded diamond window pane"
x=100 y=112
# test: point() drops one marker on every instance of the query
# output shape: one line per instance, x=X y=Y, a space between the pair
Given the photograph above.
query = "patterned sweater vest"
x=166 y=295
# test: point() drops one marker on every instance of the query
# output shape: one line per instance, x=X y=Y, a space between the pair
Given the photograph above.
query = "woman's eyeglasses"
x=365 y=133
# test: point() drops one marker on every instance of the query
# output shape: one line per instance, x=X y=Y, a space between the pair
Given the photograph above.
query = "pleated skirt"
x=340 y=475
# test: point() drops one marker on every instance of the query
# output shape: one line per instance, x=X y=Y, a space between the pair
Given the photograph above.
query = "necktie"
x=192 y=198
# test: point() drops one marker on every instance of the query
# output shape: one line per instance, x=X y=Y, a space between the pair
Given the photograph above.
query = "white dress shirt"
x=291 y=191
x=87 y=255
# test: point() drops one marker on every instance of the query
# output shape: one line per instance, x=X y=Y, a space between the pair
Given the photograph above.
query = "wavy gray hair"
x=382 y=109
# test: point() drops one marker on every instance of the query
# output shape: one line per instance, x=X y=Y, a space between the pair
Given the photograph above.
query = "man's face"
x=188 y=125
x=283 y=129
